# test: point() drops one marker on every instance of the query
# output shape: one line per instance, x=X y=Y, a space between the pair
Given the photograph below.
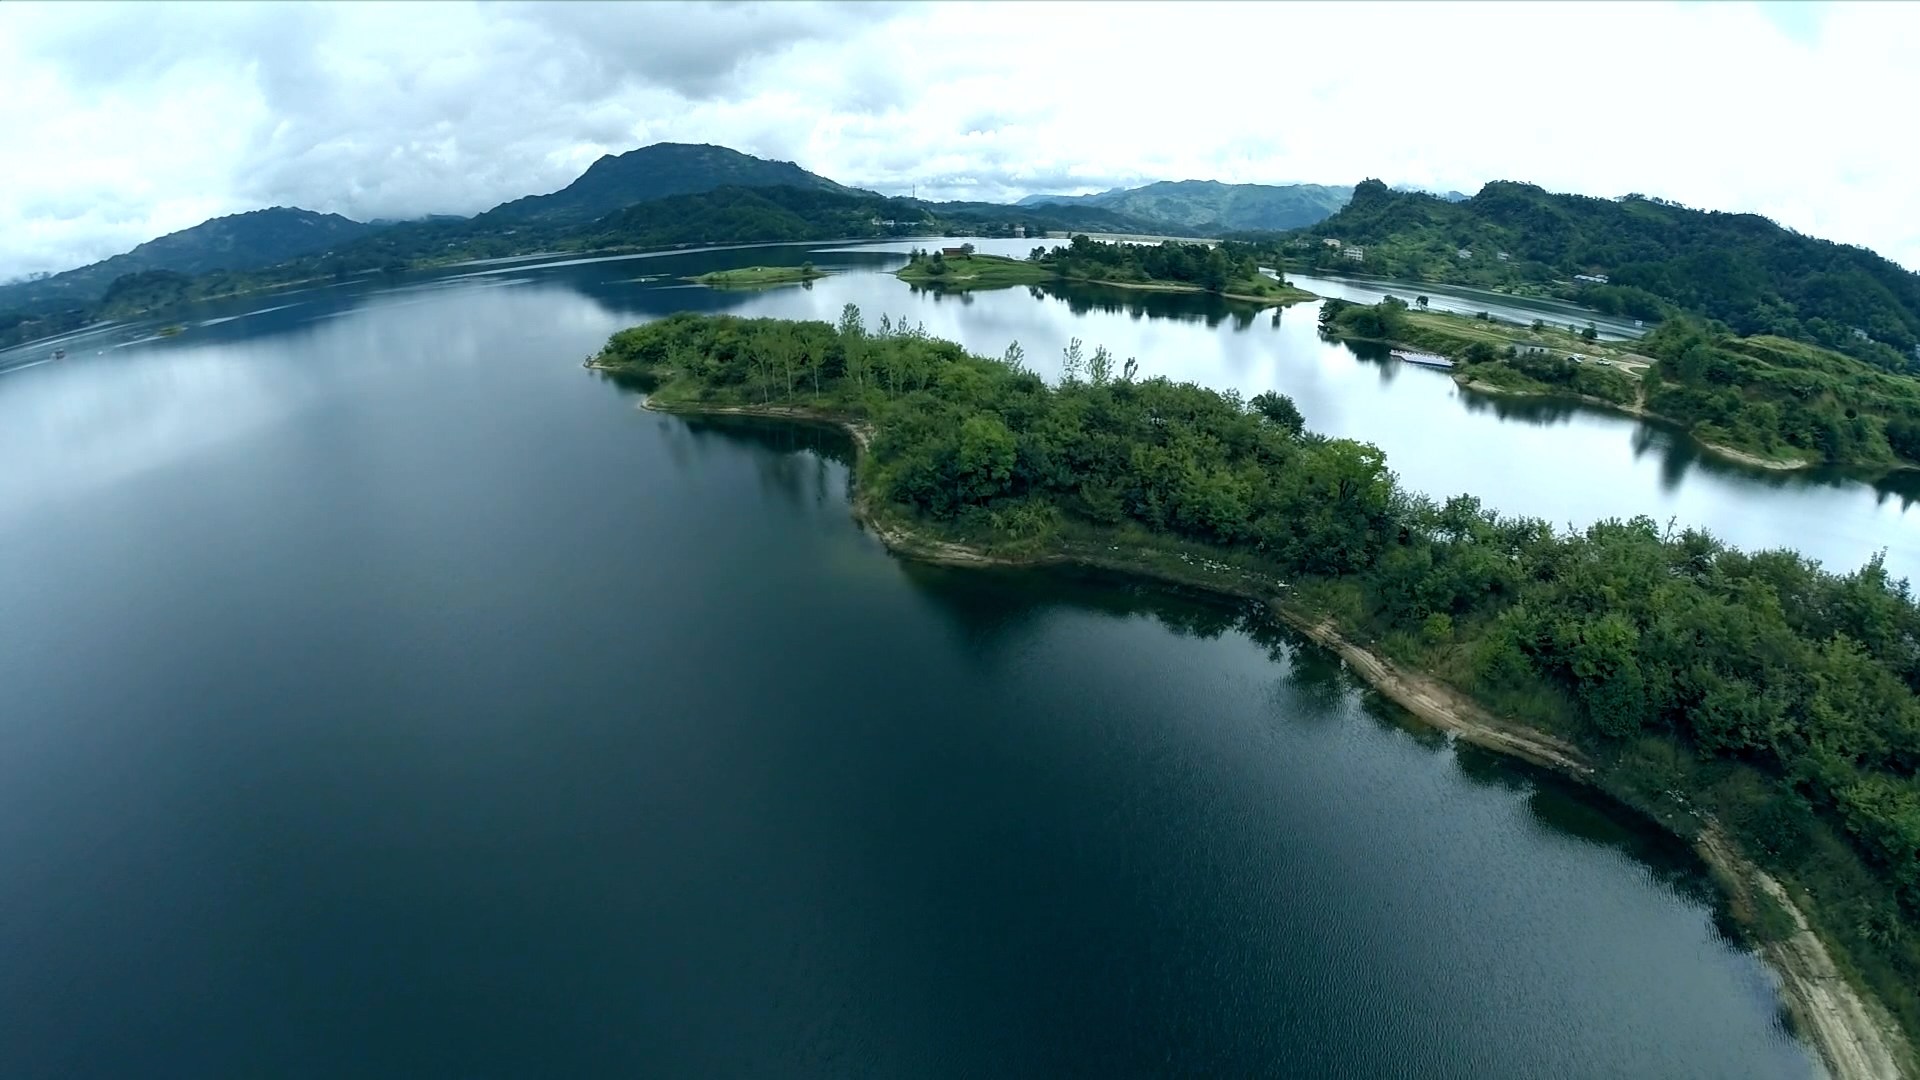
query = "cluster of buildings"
x=1359 y=254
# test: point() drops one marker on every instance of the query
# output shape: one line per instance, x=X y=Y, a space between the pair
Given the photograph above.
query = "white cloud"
x=121 y=123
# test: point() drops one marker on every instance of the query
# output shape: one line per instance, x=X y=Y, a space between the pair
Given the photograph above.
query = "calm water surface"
x=387 y=696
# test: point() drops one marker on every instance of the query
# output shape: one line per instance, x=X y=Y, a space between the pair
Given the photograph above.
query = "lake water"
x=388 y=696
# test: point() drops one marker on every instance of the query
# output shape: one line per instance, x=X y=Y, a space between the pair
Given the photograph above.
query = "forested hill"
x=656 y=172
x=1208 y=206
x=236 y=242
x=754 y=214
x=1741 y=269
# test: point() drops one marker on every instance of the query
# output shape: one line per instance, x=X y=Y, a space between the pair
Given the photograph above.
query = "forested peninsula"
x=1754 y=701
x=1170 y=266
x=1762 y=399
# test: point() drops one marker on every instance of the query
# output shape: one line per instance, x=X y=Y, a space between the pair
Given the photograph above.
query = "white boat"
x=1424 y=359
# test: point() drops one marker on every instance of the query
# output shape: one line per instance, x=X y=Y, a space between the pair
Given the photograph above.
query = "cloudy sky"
x=120 y=123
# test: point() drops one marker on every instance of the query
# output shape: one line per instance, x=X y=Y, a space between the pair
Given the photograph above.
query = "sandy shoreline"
x=1855 y=1037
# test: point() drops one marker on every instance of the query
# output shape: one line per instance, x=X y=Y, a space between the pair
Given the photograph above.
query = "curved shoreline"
x=1853 y=1036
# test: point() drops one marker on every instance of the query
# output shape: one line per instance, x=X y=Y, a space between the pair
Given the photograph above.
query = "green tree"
x=1072 y=362
x=984 y=458
x=1279 y=410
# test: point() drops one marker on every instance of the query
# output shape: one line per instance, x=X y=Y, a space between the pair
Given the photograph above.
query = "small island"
x=962 y=268
x=1763 y=401
x=1172 y=266
x=758 y=277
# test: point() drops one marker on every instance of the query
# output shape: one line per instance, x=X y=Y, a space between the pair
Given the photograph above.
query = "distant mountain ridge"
x=1211 y=206
x=246 y=241
x=616 y=182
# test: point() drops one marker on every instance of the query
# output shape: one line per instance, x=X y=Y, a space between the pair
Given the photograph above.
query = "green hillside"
x=235 y=242
x=1655 y=256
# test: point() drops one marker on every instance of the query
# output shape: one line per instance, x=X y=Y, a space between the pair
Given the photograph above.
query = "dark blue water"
x=387 y=696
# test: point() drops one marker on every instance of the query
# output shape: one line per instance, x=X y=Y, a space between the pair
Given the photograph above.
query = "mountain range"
x=616 y=182
x=1209 y=206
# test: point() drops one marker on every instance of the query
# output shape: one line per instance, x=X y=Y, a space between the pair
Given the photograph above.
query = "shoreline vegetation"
x=1756 y=705
x=757 y=277
x=1171 y=266
x=1762 y=401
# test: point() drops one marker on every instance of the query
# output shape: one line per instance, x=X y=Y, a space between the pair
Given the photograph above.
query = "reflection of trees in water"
x=1000 y=606
x=1569 y=808
x=1205 y=308
x=1904 y=486
x=995 y=606
x=792 y=464
x=990 y=606
x=1681 y=454
x=1371 y=354
x=940 y=294
x=1540 y=412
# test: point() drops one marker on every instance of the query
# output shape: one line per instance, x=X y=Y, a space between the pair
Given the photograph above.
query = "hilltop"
x=656 y=172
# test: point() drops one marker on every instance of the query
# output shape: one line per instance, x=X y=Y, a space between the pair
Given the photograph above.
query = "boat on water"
x=1424 y=359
